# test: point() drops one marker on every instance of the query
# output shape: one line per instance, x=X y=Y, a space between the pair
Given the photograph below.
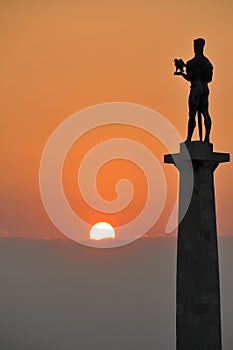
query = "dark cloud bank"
x=56 y=294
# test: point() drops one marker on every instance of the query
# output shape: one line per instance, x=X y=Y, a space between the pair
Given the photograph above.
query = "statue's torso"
x=199 y=69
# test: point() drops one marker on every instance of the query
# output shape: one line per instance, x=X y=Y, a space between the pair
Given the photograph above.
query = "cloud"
x=4 y=233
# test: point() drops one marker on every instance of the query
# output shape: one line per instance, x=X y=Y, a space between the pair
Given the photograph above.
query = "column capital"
x=199 y=152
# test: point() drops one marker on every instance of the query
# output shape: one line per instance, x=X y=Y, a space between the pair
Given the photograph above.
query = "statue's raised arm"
x=199 y=72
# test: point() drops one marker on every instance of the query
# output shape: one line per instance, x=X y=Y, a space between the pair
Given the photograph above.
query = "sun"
x=102 y=230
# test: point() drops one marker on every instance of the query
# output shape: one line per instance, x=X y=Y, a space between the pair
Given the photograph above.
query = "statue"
x=199 y=72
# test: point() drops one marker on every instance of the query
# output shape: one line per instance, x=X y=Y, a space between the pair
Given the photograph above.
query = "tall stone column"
x=198 y=313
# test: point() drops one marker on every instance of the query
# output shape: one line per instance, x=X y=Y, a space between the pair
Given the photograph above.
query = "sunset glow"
x=102 y=230
x=59 y=58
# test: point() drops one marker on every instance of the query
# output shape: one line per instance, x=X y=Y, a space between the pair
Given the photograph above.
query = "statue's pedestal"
x=198 y=321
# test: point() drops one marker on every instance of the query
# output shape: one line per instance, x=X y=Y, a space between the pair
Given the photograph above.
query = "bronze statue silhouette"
x=199 y=72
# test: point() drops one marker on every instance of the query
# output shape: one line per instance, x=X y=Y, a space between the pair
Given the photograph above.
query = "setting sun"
x=102 y=230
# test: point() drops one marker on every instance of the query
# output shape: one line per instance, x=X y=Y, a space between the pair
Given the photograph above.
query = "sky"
x=60 y=57
x=57 y=58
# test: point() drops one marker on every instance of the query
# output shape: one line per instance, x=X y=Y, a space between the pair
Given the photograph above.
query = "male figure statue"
x=199 y=72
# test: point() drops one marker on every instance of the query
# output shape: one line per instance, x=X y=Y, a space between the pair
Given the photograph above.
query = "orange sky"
x=58 y=57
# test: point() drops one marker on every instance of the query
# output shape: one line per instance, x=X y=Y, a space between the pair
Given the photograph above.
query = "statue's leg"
x=191 y=126
x=207 y=122
x=205 y=113
x=193 y=103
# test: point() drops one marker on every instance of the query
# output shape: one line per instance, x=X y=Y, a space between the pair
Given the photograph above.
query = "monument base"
x=198 y=320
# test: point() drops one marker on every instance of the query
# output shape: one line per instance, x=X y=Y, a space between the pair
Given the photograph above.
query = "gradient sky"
x=59 y=57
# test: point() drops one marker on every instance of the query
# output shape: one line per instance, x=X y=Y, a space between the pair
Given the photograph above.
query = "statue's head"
x=199 y=45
